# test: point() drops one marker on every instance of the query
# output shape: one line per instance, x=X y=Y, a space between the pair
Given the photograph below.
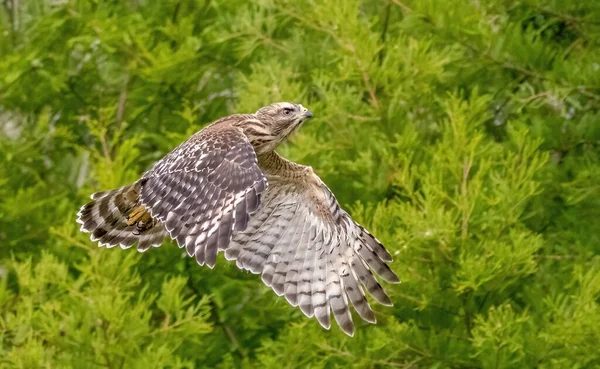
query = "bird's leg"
x=139 y=213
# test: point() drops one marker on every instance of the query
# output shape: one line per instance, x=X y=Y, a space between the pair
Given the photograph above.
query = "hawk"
x=226 y=189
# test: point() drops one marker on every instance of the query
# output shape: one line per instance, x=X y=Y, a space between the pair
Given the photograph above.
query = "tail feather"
x=116 y=217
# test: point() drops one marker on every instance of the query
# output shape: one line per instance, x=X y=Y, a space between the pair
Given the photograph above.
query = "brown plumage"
x=226 y=189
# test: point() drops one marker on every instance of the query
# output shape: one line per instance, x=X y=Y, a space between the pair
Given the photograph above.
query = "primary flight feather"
x=226 y=189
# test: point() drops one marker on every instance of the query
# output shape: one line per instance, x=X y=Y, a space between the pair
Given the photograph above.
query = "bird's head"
x=274 y=123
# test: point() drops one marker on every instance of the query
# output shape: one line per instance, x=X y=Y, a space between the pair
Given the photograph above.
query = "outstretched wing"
x=311 y=251
x=205 y=189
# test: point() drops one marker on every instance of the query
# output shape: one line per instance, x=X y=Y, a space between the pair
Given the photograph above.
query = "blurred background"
x=465 y=134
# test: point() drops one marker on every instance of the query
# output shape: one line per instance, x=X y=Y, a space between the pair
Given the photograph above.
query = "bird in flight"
x=226 y=189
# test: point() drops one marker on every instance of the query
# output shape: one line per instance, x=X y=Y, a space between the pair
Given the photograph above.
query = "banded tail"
x=117 y=217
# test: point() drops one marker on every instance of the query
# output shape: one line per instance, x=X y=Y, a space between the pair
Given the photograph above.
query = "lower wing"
x=311 y=251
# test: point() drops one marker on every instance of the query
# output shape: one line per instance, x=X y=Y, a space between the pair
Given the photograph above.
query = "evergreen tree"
x=464 y=134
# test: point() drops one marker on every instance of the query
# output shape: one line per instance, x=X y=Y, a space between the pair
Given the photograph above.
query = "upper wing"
x=205 y=189
x=311 y=251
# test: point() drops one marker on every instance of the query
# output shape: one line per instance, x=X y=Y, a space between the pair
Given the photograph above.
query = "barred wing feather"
x=199 y=194
x=204 y=190
x=309 y=250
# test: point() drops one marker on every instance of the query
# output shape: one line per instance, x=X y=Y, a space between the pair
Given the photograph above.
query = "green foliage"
x=104 y=316
x=464 y=134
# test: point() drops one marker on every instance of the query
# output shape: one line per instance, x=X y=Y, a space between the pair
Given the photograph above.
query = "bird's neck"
x=274 y=164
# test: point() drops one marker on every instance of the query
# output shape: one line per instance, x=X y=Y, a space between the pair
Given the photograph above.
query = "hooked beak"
x=307 y=114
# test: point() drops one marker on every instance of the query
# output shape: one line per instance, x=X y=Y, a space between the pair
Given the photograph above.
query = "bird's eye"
x=287 y=111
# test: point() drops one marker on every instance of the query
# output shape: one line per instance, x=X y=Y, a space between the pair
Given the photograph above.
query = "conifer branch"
x=402 y=6
x=524 y=71
x=384 y=29
x=573 y=20
x=468 y=317
x=227 y=330
x=345 y=45
x=464 y=193
x=122 y=101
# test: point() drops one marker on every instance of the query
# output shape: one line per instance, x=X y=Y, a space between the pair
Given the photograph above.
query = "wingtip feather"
x=349 y=331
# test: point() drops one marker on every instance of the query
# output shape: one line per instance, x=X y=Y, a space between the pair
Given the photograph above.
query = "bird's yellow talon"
x=138 y=213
